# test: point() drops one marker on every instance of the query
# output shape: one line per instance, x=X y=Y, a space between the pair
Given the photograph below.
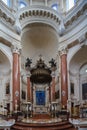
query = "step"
x=41 y=116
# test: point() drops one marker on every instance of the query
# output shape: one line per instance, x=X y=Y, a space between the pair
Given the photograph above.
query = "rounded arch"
x=77 y=58
x=40 y=21
x=5 y=51
x=83 y=65
x=72 y=52
x=83 y=68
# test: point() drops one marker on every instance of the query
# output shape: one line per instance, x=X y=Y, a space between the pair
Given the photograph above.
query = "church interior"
x=43 y=64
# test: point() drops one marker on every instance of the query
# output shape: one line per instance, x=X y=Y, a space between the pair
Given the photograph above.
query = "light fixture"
x=86 y=70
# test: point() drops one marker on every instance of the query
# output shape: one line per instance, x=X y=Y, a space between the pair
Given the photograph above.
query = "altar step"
x=54 y=126
x=41 y=116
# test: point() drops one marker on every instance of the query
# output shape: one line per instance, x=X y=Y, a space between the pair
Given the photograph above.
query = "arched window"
x=7 y=2
x=22 y=4
x=70 y=4
x=55 y=6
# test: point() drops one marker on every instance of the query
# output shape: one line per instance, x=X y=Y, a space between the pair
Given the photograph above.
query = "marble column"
x=32 y=90
x=64 y=87
x=50 y=94
x=16 y=79
x=28 y=89
x=53 y=88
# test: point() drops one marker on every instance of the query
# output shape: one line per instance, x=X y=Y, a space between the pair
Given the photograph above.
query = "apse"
x=39 y=38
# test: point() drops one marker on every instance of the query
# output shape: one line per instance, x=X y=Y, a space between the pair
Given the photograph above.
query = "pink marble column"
x=64 y=87
x=16 y=80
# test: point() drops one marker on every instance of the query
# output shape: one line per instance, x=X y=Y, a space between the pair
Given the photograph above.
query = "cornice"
x=80 y=40
x=72 y=38
x=6 y=14
x=77 y=12
x=6 y=18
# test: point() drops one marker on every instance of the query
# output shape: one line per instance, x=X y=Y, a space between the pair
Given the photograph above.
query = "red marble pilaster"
x=16 y=81
x=64 y=88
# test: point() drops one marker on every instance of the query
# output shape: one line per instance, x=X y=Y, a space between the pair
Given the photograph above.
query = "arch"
x=83 y=65
x=41 y=21
x=5 y=51
x=73 y=51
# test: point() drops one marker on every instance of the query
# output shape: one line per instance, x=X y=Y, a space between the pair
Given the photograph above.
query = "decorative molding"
x=83 y=40
x=41 y=14
x=72 y=44
x=76 y=14
x=5 y=17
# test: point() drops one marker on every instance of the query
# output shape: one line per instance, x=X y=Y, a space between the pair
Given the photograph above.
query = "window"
x=70 y=4
x=22 y=4
x=55 y=6
x=86 y=70
x=7 y=88
x=7 y=2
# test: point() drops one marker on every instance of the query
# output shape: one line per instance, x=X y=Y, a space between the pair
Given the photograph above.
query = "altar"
x=41 y=109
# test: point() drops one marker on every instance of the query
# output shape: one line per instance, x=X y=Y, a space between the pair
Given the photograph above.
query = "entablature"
x=6 y=15
x=74 y=15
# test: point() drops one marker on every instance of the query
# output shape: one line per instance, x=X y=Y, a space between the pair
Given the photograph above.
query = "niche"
x=72 y=88
x=7 y=88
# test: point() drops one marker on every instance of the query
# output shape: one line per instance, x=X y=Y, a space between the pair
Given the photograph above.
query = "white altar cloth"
x=6 y=125
x=79 y=123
